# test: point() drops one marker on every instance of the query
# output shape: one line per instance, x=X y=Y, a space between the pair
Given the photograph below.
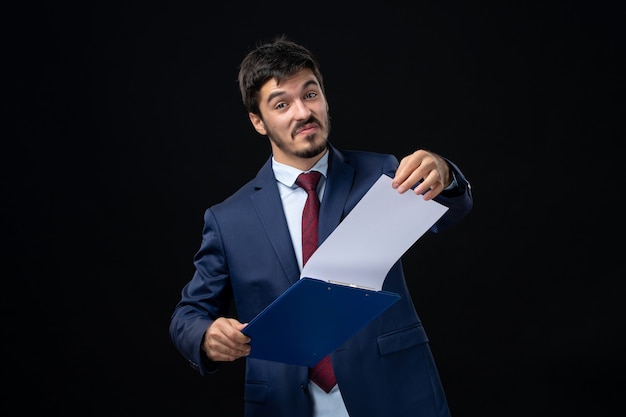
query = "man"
x=251 y=252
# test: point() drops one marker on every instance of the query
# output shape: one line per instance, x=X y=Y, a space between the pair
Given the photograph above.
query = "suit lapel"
x=269 y=208
x=339 y=183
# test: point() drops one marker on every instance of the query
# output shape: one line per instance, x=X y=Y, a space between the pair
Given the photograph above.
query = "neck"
x=301 y=163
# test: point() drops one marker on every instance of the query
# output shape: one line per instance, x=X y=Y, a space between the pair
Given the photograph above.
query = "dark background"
x=125 y=123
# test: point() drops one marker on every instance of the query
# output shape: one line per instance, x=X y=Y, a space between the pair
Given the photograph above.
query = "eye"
x=280 y=105
x=311 y=94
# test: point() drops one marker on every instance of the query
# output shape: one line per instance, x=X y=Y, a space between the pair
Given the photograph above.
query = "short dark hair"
x=277 y=59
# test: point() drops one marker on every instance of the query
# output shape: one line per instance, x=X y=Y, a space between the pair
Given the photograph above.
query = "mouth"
x=307 y=129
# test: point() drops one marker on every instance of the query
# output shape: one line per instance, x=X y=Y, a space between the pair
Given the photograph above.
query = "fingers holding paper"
x=224 y=341
x=428 y=169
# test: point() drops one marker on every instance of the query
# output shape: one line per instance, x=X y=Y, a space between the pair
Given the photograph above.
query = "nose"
x=301 y=110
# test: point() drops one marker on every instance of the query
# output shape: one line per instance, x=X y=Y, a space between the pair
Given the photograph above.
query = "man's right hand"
x=224 y=341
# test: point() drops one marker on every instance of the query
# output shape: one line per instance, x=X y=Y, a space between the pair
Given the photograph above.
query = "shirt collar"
x=287 y=174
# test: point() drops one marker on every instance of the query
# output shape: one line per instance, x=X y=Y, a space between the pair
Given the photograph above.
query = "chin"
x=315 y=148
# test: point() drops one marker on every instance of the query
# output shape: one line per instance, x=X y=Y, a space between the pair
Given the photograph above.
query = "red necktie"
x=322 y=373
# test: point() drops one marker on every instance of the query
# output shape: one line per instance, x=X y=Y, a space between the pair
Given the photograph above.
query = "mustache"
x=301 y=124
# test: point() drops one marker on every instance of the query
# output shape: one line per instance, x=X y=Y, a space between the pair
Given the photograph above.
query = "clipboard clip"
x=351 y=285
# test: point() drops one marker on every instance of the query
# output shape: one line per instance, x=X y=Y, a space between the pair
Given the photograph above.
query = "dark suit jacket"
x=246 y=252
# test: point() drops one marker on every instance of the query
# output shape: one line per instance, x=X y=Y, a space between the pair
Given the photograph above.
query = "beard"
x=314 y=150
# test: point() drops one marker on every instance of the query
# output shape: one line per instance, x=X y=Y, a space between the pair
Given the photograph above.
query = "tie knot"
x=308 y=180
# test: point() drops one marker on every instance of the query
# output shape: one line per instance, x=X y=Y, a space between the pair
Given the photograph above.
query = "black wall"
x=125 y=123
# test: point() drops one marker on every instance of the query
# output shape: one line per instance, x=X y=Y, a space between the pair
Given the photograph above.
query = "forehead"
x=303 y=79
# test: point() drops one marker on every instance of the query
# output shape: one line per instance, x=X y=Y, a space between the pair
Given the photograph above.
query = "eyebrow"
x=279 y=93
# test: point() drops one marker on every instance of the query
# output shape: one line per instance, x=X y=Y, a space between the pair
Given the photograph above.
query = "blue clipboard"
x=312 y=319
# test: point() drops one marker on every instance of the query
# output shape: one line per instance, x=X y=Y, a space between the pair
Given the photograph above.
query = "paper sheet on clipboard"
x=373 y=236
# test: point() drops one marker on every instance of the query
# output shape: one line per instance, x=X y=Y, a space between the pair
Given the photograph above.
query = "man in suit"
x=251 y=253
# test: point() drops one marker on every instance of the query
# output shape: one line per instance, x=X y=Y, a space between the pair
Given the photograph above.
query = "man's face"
x=294 y=118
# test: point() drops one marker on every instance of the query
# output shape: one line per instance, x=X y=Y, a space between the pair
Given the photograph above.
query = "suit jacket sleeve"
x=206 y=297
x=459 y=201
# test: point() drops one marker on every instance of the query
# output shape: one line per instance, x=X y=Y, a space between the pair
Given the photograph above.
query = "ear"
x=257 y=123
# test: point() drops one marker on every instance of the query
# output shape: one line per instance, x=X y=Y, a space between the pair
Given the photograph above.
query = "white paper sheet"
x=373 y=236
